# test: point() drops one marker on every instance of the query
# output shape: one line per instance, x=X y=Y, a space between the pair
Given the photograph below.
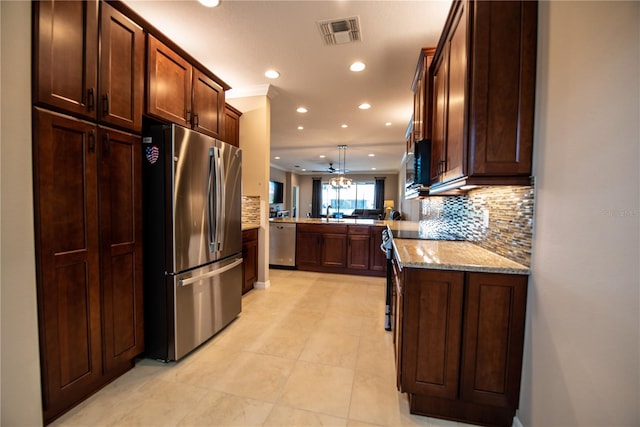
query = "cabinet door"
x=502 y=102
x=168 y=85
x=121 y=70
x=358 y=251
x=431 y=333
x=121 y=242
x=250 y=259
x=455 y=147
x=308 y=248
x=208 y=105
x=232 y=126
x=334 y=250
x=493 y=338
x=438 y=135
x=66 y=46
x=66 y=199
x=378 y=260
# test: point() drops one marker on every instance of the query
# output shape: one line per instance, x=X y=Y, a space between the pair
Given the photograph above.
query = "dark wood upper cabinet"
x=421 y=93
x=483 y=77
x=232 y=125
x=208 y=105
x=65 y=56
x=168 y=84
x=181 y=93
x=121 y=70
x=73 y=41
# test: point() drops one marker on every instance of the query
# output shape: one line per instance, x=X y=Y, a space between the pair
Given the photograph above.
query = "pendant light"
x=341 y=181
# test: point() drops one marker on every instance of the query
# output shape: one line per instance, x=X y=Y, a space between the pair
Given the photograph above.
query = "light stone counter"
x=346 y=221
x=452 y=255
x=250 y=225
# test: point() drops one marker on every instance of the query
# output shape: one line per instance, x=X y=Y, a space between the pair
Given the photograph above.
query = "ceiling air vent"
x=340 y=31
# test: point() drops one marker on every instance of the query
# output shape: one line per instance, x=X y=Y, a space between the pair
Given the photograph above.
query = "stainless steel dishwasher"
x=282 y=244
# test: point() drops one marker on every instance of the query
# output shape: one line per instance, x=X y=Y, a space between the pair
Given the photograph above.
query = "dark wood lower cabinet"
x=460 y=338
x=250 y=259
x=87 y=192
x=340 y=248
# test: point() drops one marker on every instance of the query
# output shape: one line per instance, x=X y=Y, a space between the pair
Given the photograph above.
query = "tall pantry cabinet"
x=88 y=77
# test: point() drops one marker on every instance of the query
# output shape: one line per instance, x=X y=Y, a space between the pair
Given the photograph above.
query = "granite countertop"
x=452 y=255
x=347 y=221
x=250 y=225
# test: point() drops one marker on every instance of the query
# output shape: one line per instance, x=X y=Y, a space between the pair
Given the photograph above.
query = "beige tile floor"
x=309 y=351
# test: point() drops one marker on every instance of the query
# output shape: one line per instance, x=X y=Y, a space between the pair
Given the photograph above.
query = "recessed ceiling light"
x=373 y=169
x=277 y=157
x=304 y=170
x=301 y=110
x=388 y=124
x=300 y=127
x=357 y=66
x=271 y=74
x=344 y=126
x=209 y=3
x=322 y=156
x=364 y=106
x=371 y=155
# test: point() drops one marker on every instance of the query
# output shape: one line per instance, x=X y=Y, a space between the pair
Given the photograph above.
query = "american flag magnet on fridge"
x=152 y=153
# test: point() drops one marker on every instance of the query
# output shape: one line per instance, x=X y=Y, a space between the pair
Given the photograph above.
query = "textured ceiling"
x=240 y=40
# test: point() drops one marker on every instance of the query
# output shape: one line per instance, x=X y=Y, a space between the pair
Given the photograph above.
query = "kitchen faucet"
x=327 y=215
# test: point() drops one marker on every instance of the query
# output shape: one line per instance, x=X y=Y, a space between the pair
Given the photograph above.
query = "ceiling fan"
x=330 y=169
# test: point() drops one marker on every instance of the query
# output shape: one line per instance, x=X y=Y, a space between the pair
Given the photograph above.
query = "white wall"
x=20 y=370
x=582 y=351
x=255 y=142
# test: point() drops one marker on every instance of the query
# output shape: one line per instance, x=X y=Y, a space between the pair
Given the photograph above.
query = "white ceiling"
x=239 y=40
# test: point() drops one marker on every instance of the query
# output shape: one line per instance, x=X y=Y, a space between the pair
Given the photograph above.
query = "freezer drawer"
x=206 y=300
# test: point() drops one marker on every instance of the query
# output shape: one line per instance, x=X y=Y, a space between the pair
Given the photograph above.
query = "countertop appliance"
x=282 y=244
x=192 y=239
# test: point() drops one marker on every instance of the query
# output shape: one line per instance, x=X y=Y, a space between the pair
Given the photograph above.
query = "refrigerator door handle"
x=191 y=280
x=222 y=184
x=211 y=224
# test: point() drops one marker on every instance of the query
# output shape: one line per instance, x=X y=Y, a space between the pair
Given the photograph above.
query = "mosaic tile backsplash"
x=499 y=219
x=251 y=209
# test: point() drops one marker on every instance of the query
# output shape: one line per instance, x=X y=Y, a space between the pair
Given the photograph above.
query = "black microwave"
x=418 y=168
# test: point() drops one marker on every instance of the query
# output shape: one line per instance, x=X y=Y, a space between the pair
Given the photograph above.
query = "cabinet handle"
x=92 y=141
x=188 y=116
x=105 y=104
x=195 y=120
x=107 y=143
x=442 y=167
x=91 y=102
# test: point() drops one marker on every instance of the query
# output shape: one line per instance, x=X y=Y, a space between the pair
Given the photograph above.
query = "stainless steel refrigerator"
x=193 y=239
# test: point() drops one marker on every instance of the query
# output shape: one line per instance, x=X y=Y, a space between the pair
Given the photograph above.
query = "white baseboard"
x=262 y=285
x=516 y=422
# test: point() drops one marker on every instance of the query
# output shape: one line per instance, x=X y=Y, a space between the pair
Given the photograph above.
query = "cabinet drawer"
x=249 y=235
x=359 y=229
x=322 y=228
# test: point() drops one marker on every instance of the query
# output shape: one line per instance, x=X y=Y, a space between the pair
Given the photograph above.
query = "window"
x=359 y=196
